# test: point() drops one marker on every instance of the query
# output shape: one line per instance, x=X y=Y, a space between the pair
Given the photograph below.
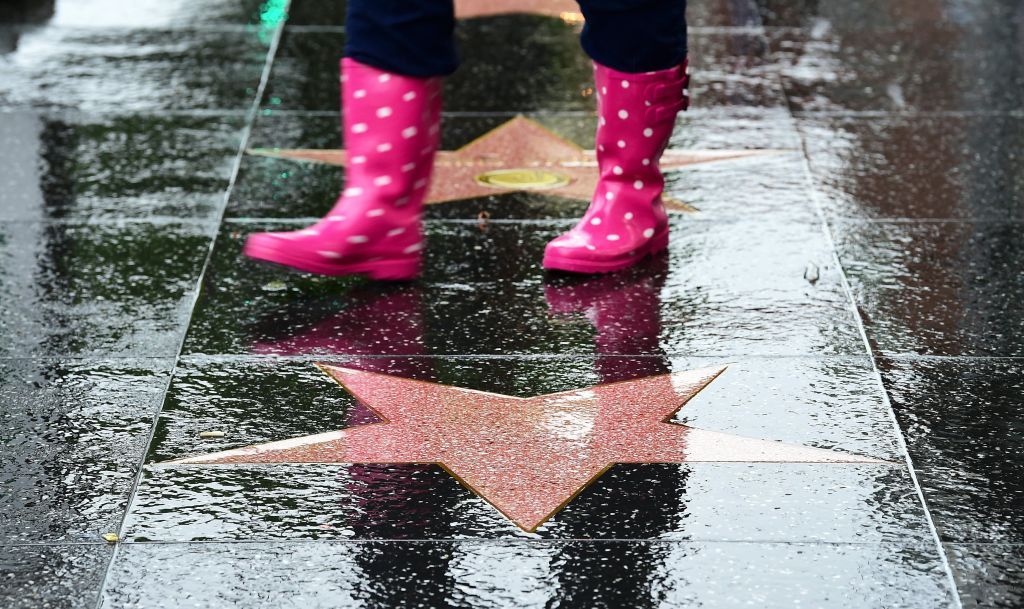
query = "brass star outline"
x=527 y=457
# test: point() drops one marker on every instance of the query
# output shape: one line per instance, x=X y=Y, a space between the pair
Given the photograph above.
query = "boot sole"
x=396 y=269
x=658 y=243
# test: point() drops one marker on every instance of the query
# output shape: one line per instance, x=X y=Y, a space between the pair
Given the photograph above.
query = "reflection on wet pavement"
x=475 y=574
x=954 y=167
x=729 y=288
x=73 y=433
x=34 y=576
x=65 y=167
x=962 y=421
x=945 y=288
x=97 y=289
x=869 y=266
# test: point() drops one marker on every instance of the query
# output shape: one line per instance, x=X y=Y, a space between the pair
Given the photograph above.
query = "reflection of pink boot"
x=373 y=322
x=379 y=330
x=392 y=129
x=625 y=310
x=626 y=220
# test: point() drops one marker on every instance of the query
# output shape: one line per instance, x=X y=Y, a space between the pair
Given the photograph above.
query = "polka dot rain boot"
x=392 y=129
x=626 y=220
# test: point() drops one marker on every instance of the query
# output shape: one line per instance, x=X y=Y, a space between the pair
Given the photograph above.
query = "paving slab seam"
x=826 y=226
x=876 y=114
x=552 y=223
x=318 y=465
x=983 y=544
x=315 y=29
x=246 y=132
x=55 y=357
x=904 y=221
x=229 y=28
x=113 y=221
x=549 y=222
x=63 y=112
x=213 y=358
x=516 y=541
x=753 y=30
x=231 y=357
x=939 y=358
x=695 y=29
x=52 y=544
x=691 y=114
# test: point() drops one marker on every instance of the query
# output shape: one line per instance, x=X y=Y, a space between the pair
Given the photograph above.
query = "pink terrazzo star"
x=528 y=457
x=567 y=10
x=525 y=145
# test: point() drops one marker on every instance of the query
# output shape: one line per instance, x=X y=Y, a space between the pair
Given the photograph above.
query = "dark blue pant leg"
x=635 y=35
x=407 y=37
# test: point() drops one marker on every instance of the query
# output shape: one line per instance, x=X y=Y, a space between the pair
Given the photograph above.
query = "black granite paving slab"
x=988 y=576
x=142 y=13
x=956 y=167
x=132 y=70
x=914 y=68
x=882 y=14
x=73 y=434
x=474 y=574
x=731 y=502
x=40 y=576
x=70 y=166
x=97 y=289
x=725 y=288
x=962 y=419
x=529 y=64
x=946 y=288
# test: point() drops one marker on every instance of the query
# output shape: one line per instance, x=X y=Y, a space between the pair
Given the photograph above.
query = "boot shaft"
x=391 y=131
x=636 y=115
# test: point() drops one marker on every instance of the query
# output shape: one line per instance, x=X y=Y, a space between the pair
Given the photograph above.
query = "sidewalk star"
x=568 y=10
x=519 y=155
x=528 y=457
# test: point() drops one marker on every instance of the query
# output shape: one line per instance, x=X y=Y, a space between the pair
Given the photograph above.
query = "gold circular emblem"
x=523 y=179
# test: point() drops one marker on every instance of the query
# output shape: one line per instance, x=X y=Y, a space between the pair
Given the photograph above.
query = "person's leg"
x=640 y=90
x=407 y=37
x=391 y=102
x=635 y=35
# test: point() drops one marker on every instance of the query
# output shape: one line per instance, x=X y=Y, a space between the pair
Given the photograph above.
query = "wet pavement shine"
x=813 y=399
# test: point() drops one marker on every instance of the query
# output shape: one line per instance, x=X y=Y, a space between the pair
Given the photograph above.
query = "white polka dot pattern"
x=387 y=119
x=635 y=121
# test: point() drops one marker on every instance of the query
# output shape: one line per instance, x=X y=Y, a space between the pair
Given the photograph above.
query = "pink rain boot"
x=392 y=130
x=626 y=220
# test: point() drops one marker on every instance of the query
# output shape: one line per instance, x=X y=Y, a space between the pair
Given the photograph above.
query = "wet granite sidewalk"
x=861 y=273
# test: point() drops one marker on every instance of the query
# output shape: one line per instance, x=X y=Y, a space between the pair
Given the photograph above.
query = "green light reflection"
x=272 y=14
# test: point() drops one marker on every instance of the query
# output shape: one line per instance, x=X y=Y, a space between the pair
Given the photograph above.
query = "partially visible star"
x=567 y=10
x=517 y=150
x=528 y=457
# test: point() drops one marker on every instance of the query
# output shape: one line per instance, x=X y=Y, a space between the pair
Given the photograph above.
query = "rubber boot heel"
x=394 y=270
x=658 y=242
